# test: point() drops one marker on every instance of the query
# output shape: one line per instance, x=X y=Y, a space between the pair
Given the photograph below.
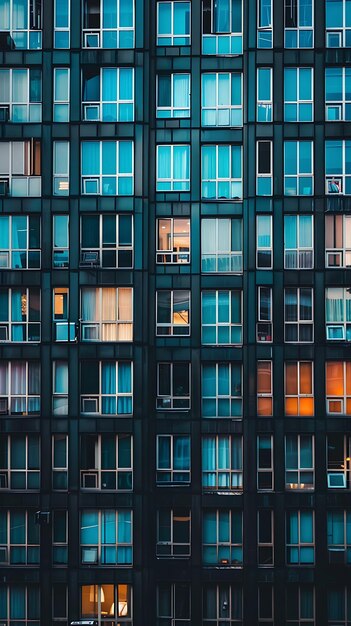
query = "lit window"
x=222 y=317
x=264 y=245
x=60 y=388
x=173 y=240
x=221 y=172
x=338 y=314
x=299 y=399
x=22 y=19
x=173 y=386
x=338 y=167
x=20 y=96
x=298 y=314
x=173 y=533
x=173 y=603
x=222 y=390
x=64 y=330
x=264 y=388
x=107 y=387
x=61 y=94
x=265 y=24
x=222 y=27
x=300 y=605
x=298 y=168
x=298 y=242
x=59 y=462
x=338 y=387
x=337 y=241
x=107 y=168
x=222 y=99
x=108 y=24
x=107 y=241
x=222 y=538
x=298 y=94
x=264 y=111
x=173 y=23
x=173 y=313
x=300 y=537
x=20 y=387
x=19 y=538
x=21 y=601
x=106 y=462
x=59 y=537
x=221 y=245
x=20 y=168
x=60 y=242
x=339 y=461
x=299 y=462
x=173 y=459
x=222 y=463
x=338 y=24
x=298 y=23
x=337 y=94
x=112 y=601
x=20 y=314
x=264 y=315
x=61 y=23
x=265 y=605
x=106 y=314
x=173 y=95
x=106 y=537
x=108 y=94
x=19 y=462
x=173 y=168
x=339 y=537
x=265 y=537
x=264 y=175
x=265 y=463
x=20 y=241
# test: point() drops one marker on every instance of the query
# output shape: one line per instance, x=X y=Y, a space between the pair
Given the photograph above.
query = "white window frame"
x=57 y=395
x=299 y=470
x=262 y=471
x=341 y=551
x=229 y=543
x=10 y=325
x=59 y=545
x=340 y=400
x=338 y=104
x=172 y=329
x=58 y=620
x=299 y=322
x=265 y=395
x=264 y=545
x=32 y=182
x=60 y=177
x=335 y=184
x=298 y=29
x=98 y=397
x=343 y=470
x=344 y=252
x=98 y=470
x=220 y=324
x=171 y=35
x=98 y=104
x=99 y=32
x=57 y=469
x=171 y=402
x=26 y=591
x=264 y=104
x=303 y=254
x=172 y=589
x=7 y=546
x=264 y=326
x=262 y=30
x=26 y=102
x=58 y=103
x=232 y=476
x=99 y=547
x=299 y=175
x=7 y=472
x=260 y=175
x=25 y=31
x=298 y=396
x=6 y=253
x=101 y=324
x=217 y=107
x=172 y=255
x=219 y=179
x=233 y=37
x=172 y=109
x=302 y=620
x=300 y=545
x=234 y=256
x=232 y=398
x=115 y=248
x=342 y=327
x=57 y=251
x=341 y=31
x=171 y=181
x=264 y=249
x=264 y=590
x=62 y=29
x=99 y=176
x=298 y=100
x=173 y=549
x=170 y=470
x=25 y=396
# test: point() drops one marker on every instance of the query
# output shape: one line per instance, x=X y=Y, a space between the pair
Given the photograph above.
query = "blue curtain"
x=222 y=16
x=109 y=84
x=91 y=158
x=124 y=404
x=164 y=162
x=19 y=16
x=108 y=386
x=109 y=14
x=89 y=533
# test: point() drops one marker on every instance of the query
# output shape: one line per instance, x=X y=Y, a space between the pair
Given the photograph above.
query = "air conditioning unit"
x=4 y=186
x=4 y=113
x=91 y=186
x=90 y=405
x=3 y=480
x=92 y=39
x=4 y=406
x=336 y=480
x=337 y=556
x=90 y=480
x=333 y=186
x=90 y=332
x=91 y=112
x=3 y=554
x=336 y=332
x=90 y=257
x=4 y=333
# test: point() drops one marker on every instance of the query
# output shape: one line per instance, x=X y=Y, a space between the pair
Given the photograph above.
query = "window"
x=106 y=537
x=300 y=537
x=337 y=94
x=59 y=537
x=61 y=94
x=114 y=601
x=64 y=330
x=339 y=606
x=20 y=242
x=337 y=241
x=106 y=462
x=264 y=315
x=59 y=604
x=108 y=94
x=60 y=388
x=298 y=94
x=20 y=602
x=339 y=537
x=173 y=604
x=338 y=313
x=61 y=24
x=222 y=538
x=20 y=95
x=59 y=462
x=173 y=459
x=23 y=20
x=266 y=605
x=173 y=168
x=264 y=388
x=173 y=533
x=222 y=27
x=338 y=387
x=173 y=95
x=299 y=462
x=108 y=24
x=107 y=387
x=264 y=250
x=60 y=242
x=298 y=314
x=264 y=179
x=173 y=240
x=338 y=24
x=299 y=399
x=221 y=245
x=20 y=168
x=107 y=241
x=265 y=462
x=298 y=23
x=173 y=312
x=222 y=99
x=264 y=111
x=222 y=322
x=300 y=605
x=20 y=314
x=19 y=388
x=298 y=242
x=298 y=168
x=173 y=386
x=61 y=168
x=265 y=24
x=339 y=456
x=265 y=537
x=222 y=604
x=173 y=23
x=19 y=462
x=338 y=167
x=107 y=168
x=19 y=538
x=222 y=390
x=106 y=314
x=222 y=463
x=221 y=172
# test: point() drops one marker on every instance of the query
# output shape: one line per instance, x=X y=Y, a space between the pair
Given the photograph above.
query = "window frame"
x=171 y=36
x=263 y=177
x=99 y=251
x=265 y=549
x=175 y=112
x=62 y=29
x=25 y=396
x=172 y=255
x=264 y=328
x=343 y=465
x=336 y=183
x=221 y=43
x=97 y=593
x=299 y=396
x=29 y=549
x=171 y=328
x=100 y=546
x=336 y=325
x=99 y=32
x=101 y=324
x=300 y=544
x=25 y=325
x=7 y=473
x=262 y=103
x=220 y=107
x=172 y=549
x=7 y=253
x=231 y=399
x=33 y=107
x=99 y=104
x=262 y=250
x=172 y=589
x=304 y=259
x=298 y=176
x=264 y=31
x=343 y=104
x=299 y=470
x=339 y=551
x=299 y=29
x=343 y=251
x=233 y=476
x=265 y=469
x=172 y=402
x=230 y=545
x=342 y=31
x=264 y=398
x=229 y=180
x=229 y=324
x=232 y=255
x=300 y=322
x=33 y=15
x=98 y=397
x=341 y=399
x=58 y=103
x=59 y=471
x=99 y=176
x=299 y=102
x=170 y=183
x=174 y=473
x=98 y=470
